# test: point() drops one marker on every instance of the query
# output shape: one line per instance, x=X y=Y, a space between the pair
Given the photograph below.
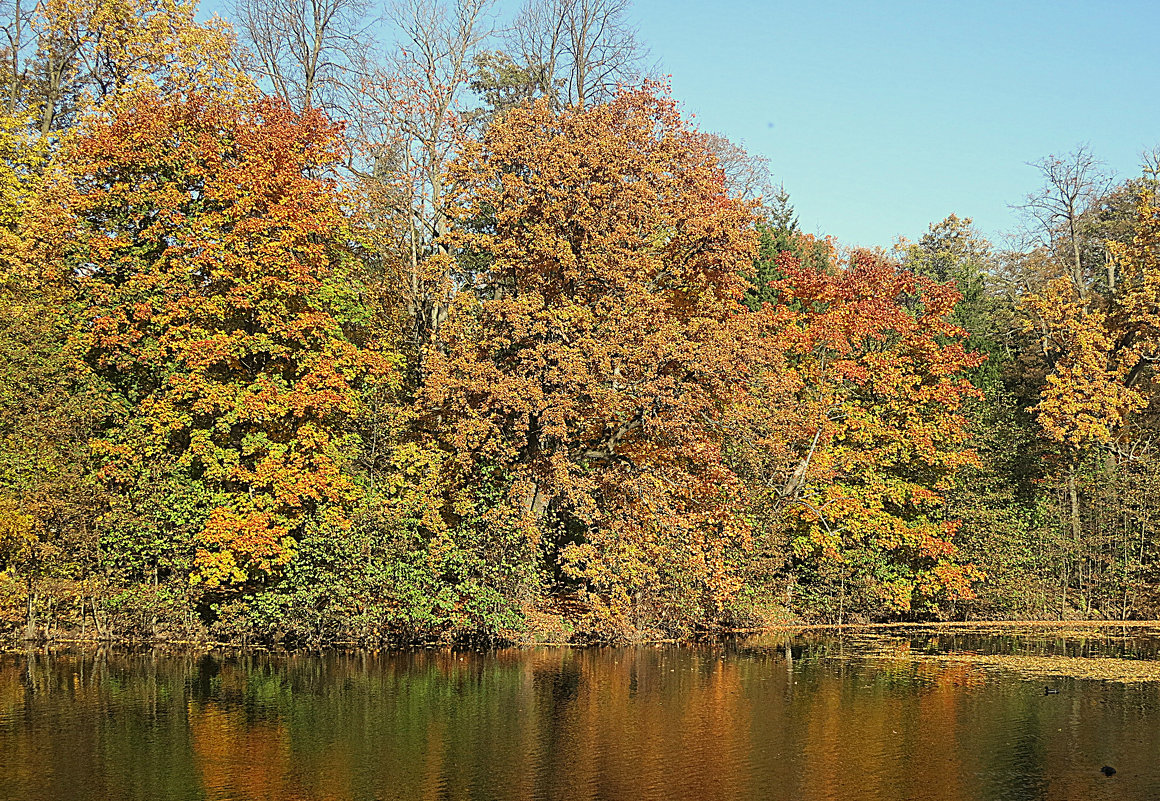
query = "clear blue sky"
x=881 y=118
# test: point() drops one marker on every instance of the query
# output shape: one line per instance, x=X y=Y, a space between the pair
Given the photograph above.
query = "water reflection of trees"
x=699 y=723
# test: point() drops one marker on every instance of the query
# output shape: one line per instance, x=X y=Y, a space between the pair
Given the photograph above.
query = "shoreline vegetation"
x=1079 y=628
x=876 y=643
x=886 y=644
x=476 y=338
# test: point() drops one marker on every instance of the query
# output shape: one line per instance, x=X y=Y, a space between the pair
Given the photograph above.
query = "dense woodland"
x=333 y=324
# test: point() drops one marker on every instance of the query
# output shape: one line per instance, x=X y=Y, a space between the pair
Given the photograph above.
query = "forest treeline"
x=329 y=325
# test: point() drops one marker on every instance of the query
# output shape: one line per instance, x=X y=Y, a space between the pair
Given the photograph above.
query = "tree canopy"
x=476 y=336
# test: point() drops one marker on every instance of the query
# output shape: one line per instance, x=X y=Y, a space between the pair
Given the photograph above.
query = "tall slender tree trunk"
x=30 y=621
x=1073 y=504
x=1074 y=528
x=16 y=43
x=153 y=616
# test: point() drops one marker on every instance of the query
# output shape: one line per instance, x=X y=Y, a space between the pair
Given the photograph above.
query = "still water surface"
x=820 y=718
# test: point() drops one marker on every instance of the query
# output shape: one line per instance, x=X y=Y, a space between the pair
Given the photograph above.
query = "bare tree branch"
x=1073 y=184
x=579 y=51
x=411 y=115
x=309 y=50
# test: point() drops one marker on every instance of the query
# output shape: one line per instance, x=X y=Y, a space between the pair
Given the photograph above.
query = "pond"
x=900 y=715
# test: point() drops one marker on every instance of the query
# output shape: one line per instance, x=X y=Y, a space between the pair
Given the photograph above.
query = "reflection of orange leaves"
x=240 y=758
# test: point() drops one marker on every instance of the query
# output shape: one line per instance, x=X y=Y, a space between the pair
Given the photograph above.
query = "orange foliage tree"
x=209 y=254
x=880 y=371
x=1087 y=398
x=85 y=51
x=597 y=346
x=1136 y=317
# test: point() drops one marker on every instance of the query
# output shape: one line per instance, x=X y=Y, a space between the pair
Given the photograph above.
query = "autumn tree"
x=413 y=113
x=881 y=370
x=997 y=499
x=1088 y=378
x=599 y=342
x=1073 y=185
x=210 y=254
x=67 y=53
x=49 y=404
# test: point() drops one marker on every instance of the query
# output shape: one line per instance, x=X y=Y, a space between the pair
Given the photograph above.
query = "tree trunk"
x=1074 y=527
x=153 y=616
x=30 y=621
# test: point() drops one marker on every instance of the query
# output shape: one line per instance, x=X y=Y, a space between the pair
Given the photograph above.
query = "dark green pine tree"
x=778 y=232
